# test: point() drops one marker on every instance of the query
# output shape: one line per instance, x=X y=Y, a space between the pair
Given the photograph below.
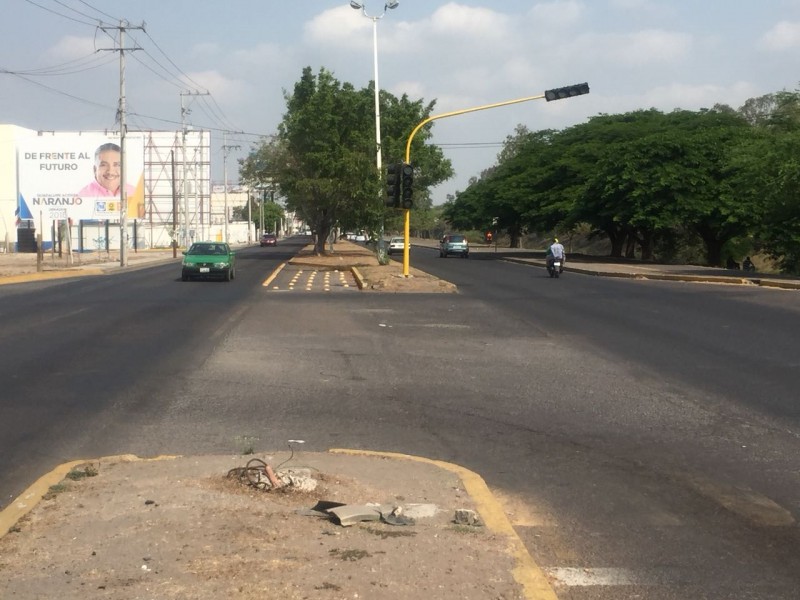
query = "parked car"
x=396 y=244
x=269 y=239
x=454 y=243
x=360 y=237
x=209 y=259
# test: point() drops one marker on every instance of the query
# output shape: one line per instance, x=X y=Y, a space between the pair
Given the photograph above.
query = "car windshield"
x=207 y=249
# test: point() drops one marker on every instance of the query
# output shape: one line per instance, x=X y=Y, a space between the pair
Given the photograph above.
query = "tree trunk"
x=630 y=246
x=617 y=239
x=648 y=243
x=713 y=253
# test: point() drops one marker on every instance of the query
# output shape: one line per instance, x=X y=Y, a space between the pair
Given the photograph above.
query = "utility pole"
x=185 y=195
x=123 y=192
x=225 y=150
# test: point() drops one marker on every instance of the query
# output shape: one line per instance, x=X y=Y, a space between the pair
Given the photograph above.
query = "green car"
x=209 y=259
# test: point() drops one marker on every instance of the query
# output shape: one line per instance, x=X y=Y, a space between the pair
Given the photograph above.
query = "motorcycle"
x=555 y=266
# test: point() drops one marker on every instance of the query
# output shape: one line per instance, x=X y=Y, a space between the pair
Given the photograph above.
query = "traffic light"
x=567 y=92
x=393 y=185
x=407 y=172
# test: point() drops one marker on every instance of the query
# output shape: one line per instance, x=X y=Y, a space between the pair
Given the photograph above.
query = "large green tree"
x=323 y=156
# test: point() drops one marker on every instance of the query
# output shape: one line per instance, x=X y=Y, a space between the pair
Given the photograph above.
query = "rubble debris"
x=465 y=516
x=350 y=514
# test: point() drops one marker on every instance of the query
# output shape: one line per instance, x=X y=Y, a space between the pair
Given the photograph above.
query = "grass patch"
x=79 y=473
x=55 y=490
x=471 y=529
x=351 y=555
x=385 y=533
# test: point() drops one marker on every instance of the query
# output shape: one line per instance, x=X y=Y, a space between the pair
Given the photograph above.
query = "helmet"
x=555 y=240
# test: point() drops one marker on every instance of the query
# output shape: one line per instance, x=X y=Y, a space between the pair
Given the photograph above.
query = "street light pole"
x=363 y=8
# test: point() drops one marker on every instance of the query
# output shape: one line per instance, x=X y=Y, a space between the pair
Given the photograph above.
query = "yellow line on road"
x=272 y=277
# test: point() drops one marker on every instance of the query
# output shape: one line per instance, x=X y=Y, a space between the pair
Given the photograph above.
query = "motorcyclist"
x=556 y=251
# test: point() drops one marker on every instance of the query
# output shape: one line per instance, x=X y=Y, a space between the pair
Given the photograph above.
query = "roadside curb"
x=360 y=281
x=27 y=500
x=527 y=573
x=723 y=279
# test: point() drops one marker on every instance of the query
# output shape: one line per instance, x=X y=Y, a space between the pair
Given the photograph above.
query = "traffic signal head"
x=566 y=92
x=407 y=174
x=393 y=185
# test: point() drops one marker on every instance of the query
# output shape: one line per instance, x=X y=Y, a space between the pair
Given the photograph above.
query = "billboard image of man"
x=106 y=183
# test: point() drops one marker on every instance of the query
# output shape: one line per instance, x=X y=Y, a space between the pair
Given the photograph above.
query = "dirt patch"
x=182 y=529
x=18 y=263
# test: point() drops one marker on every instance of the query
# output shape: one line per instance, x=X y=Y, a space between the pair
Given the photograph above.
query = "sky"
x=229 y=63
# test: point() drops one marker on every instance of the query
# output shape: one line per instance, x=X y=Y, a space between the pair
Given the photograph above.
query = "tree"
x=323 y=157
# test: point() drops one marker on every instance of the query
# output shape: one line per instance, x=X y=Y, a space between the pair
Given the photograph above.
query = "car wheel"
x=233 y=274
x=184 y=276
x=228 y=275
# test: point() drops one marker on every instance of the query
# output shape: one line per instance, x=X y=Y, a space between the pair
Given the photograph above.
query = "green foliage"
x=655 y=183
x=323 y=157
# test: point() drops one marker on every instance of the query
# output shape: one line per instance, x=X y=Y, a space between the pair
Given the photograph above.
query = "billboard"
x=77 y=176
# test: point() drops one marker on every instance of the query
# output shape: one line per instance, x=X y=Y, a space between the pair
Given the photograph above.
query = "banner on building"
x=78 y=175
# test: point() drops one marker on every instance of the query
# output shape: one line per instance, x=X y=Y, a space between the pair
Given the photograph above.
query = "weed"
x=328 y=586
x=350 y=554
x=54 y=491
x=465 y=529
x=384 y=534
x=82 y=472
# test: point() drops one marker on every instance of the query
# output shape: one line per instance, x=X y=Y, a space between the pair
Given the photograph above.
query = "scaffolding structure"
x=173 y=213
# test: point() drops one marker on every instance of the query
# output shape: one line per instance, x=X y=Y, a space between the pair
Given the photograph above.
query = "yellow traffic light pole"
x=555 y=94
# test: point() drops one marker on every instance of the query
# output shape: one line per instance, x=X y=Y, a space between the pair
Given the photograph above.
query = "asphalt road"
x=643 y=434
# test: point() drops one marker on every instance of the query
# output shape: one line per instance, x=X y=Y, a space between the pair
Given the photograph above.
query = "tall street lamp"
x=362 y=6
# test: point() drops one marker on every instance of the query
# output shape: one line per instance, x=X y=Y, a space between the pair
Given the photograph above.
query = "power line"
x=57 y=91
x=50 y=10
x=73 y=9
x=113 y=18
x=79 y=65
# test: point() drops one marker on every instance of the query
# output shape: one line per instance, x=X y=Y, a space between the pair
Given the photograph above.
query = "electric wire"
x=73 y=9
x=98 y=10
x=50 y=10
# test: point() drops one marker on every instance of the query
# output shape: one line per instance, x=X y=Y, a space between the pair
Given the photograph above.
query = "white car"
x=396 y=244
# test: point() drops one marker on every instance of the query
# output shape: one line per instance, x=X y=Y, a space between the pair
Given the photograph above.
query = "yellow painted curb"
x=272 y=277
x=527 y=573
x=358 y=277
x=27 y=500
